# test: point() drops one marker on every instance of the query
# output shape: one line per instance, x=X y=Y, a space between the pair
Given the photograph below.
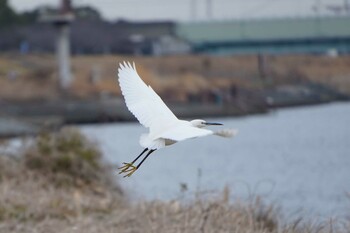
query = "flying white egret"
x=164 y=127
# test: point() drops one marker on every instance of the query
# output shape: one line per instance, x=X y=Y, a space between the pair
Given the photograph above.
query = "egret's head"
x=202 y=123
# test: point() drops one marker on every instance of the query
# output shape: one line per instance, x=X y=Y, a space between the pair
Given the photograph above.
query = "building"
x=94 y=36
x=287 y=35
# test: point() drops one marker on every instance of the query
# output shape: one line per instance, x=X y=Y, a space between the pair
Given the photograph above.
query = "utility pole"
x=63 y=46
x=62 y=22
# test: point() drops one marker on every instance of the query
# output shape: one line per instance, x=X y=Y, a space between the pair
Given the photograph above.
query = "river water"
x=298 y=158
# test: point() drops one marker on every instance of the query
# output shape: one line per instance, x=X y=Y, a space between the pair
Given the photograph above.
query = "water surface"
x=298 y=158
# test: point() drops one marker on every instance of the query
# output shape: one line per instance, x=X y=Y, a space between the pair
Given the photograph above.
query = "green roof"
x=266 y=29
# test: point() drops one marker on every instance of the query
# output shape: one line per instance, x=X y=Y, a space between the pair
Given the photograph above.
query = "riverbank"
x=31 y=117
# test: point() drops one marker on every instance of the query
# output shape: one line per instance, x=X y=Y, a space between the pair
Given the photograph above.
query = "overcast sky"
x=183 y=10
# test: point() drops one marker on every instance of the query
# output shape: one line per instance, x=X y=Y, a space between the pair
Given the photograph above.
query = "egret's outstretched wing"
x=142 y=101
x=180 y=133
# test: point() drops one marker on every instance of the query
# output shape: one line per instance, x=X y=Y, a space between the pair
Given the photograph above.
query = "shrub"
x=67 y=158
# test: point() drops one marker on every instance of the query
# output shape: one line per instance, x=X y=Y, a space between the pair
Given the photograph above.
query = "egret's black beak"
x=211 y=123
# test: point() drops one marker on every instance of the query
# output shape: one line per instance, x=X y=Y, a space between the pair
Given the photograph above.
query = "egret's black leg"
x=139 y=156
x=150 y=152
x=129 y=168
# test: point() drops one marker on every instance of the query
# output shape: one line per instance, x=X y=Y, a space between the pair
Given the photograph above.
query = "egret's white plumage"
x=150 y=110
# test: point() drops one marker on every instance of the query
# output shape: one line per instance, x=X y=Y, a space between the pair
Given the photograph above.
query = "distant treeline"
x=9 y=17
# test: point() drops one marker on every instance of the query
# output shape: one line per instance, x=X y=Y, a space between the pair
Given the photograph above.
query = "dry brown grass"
x=58 y=175
x=67 y=158
x=34 y=199
x=37 y=74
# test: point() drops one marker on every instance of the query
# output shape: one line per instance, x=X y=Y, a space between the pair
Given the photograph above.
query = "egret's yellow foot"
x=131 y=171
x=127 y=167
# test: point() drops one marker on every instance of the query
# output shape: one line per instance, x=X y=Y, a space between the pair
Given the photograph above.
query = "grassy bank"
x=174 y=77
x=59 y=183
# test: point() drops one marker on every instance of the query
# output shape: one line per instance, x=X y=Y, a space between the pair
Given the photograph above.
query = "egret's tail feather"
x=226 y=133
x=147 y=142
